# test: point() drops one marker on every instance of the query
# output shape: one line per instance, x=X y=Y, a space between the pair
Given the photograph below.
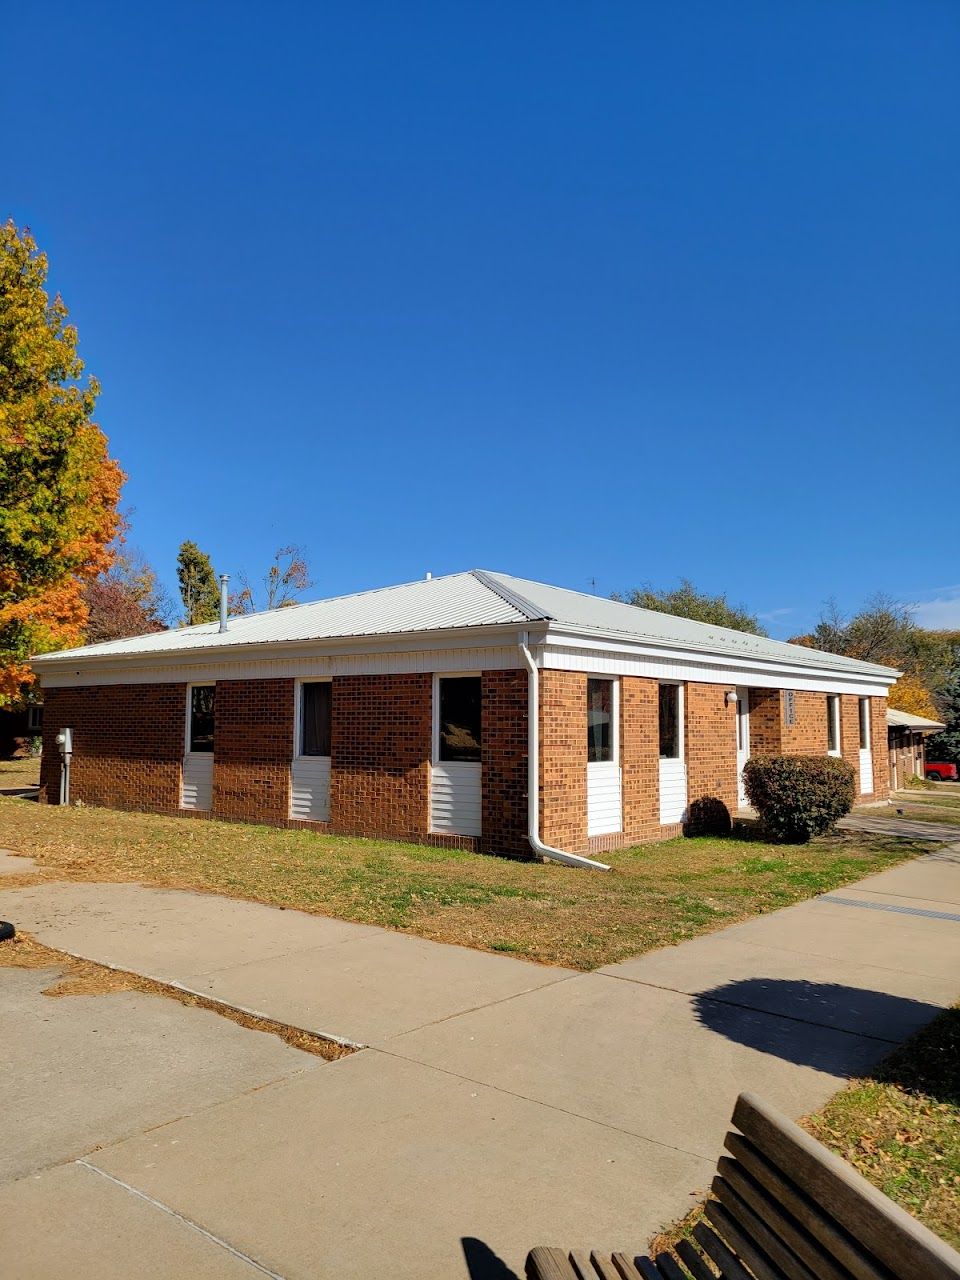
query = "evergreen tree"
x=199 y=588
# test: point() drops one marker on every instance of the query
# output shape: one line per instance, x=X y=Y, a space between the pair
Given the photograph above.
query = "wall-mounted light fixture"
x=731 y=696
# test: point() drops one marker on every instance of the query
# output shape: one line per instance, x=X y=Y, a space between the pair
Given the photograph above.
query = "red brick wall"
x=878 y=745
x=640 y=758
x=808 y=735
x=563 y=760
x=380 y=755
x=127 y=745
x=711 y=744
x=252 y=747
x=766 y=723
x=504 y=757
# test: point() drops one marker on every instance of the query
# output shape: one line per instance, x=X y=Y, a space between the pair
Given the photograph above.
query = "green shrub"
x=798 y=796
x=707 y=816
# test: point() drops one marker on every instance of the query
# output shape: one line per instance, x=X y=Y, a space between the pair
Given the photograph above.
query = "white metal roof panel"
x=462 y=600
x=906 y=720
x=612 y=618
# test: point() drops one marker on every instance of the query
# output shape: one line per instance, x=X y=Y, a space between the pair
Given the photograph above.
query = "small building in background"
x=906 y=735
x=20 y=732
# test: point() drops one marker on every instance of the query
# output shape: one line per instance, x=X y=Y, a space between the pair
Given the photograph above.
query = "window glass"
x=833 y=728
x=315 y=718
x=864 y=724
x=670 y=721
x=599 y=720
x=201 y=717
x=459 y=718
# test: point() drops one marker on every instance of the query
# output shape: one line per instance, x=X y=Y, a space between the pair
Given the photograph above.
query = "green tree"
x=946 y=745
x=59 y=488
x=686 y=601
x=199 y=588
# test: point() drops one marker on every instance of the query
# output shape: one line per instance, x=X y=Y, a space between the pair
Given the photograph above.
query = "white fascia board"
x=566 y=649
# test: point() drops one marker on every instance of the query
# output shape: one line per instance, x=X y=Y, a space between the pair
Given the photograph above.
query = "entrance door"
x=743 y=742
x=456 y=772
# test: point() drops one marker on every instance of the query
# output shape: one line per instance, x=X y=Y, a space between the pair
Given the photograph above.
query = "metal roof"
x=478 y=599
x=905 y=720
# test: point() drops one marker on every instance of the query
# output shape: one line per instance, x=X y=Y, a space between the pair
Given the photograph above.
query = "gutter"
x=533 y=772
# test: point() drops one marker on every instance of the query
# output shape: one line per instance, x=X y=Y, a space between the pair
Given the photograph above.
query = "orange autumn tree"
x=59 y=487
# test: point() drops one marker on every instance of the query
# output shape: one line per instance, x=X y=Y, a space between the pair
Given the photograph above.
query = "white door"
x=456 y=772
x=743 y=742
x=310 y=767
x=866 y=748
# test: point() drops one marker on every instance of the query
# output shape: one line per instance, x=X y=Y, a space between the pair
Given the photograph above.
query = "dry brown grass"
x=657 y=893
x=85 y=978
x=20 y=773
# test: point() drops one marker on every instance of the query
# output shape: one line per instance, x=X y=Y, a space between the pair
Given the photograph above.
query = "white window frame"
x=435 y=714
x=197 y=684
x=298 y=714
x=681 y=728
x=833 y=719
x=866 y=729
x=614 y=718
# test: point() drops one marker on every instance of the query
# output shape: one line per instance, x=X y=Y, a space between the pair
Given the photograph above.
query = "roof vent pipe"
x=224 y=579
x=429 y=575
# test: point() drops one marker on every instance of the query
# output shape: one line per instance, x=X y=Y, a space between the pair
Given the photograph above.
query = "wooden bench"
x=782 y=1207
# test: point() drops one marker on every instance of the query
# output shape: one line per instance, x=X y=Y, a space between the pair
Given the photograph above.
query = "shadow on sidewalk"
x=798 y=1020
x=483 y=1263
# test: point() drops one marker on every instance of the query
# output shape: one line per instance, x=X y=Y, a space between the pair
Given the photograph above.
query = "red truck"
x=940 y=772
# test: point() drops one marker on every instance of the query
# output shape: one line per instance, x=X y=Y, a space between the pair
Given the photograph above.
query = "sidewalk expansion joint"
x=548 y=1106
x=185 y=1221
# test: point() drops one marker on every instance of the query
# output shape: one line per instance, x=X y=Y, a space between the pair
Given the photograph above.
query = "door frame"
x=742 y=739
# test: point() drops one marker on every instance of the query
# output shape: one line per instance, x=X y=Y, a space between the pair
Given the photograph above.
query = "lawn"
x=20 y=773
x=935 y=804
x=657 y=894
x=901 y=1127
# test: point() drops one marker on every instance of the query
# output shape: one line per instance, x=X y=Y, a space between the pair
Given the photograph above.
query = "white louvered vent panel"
x=197 y=787
x=455 y=803
x=866 y=772
x=310 y=789
x=604 y=799
x=673 y=791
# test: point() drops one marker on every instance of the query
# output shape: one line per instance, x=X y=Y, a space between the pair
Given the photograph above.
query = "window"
x=599 y=721
x=201 y=717
x=670 y=722
x=789 y=708
x=459 y=729
x=833 y=724
x=34 y=719
x=315 y=703
x=864 y=724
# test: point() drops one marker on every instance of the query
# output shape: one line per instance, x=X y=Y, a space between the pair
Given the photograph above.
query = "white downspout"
x=533 y=772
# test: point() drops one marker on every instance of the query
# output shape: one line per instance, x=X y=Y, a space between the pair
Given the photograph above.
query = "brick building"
x=422 y=711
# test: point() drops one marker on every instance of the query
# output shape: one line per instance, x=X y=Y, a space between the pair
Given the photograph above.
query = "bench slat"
x=883 y=1228
x=759 y=1234
x=698 y=1267
x=549 y=1264
x=729 y=1264
x=582 y=1265
x=669 y=1267
x=604 y=1266
x=741 y=1245
x=839 y=1244
x=766 y=1209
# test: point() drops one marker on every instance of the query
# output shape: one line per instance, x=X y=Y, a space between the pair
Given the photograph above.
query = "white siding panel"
x=455 y=798
x=673 y=791
x=197 y=786
x=866 y=772
x=310 y=788
x=604 y=798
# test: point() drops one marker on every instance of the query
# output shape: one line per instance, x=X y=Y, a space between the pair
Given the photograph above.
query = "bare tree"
x=287 y=576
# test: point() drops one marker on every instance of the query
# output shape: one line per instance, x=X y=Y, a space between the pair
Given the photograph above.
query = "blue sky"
x=615 y=292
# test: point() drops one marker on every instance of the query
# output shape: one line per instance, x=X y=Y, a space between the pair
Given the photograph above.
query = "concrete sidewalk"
x=499 y=1100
